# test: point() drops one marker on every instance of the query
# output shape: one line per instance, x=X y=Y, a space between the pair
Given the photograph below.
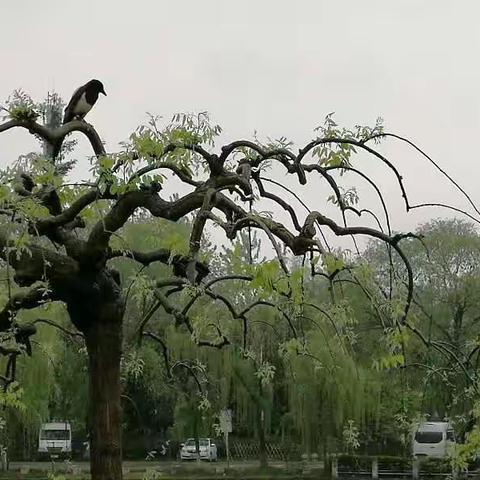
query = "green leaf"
x=332 y=263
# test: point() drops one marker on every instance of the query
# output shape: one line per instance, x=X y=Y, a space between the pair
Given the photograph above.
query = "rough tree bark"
x=96 y=308
x=104 y=344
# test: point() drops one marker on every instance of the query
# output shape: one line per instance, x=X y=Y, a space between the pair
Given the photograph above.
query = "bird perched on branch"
x=83 y=99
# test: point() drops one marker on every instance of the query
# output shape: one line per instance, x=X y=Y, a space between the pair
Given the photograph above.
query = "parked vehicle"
x=433 y=439
x=208 y=450
x=55 y=440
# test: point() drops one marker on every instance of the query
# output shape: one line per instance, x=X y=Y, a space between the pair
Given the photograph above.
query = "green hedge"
x=364 y=462
x=398 y=464
x=356 y=463
x=435 y=465
x=352 y=463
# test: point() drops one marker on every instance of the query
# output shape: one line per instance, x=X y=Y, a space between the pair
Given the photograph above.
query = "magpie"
x=83 y=99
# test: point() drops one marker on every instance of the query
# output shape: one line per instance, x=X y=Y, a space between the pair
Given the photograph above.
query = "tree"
x=447 y=277
x=59 y=241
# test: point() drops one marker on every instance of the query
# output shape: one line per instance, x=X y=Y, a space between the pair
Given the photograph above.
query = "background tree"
x=446 y=280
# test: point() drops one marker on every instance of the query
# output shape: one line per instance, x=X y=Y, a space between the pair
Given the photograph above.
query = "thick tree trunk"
x=104 y=344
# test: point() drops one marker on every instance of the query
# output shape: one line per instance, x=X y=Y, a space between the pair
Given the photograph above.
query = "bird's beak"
x=103 y=91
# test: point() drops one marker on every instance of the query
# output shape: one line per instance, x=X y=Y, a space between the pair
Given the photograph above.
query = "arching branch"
x=56 y=325
x=57 y=135
x=163 y=255
x=165 y=352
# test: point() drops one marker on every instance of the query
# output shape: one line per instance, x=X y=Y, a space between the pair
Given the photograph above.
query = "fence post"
x=415 y=468
x=375 y=468
x=455 y=473
x=334 y=467
x=4 y=460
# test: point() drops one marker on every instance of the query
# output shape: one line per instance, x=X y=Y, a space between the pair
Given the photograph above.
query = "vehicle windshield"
x=203 y=442
x=55 y=435
x=428 y=437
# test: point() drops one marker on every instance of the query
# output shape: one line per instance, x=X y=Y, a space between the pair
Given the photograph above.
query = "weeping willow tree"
x=39 y=383
x=324 y=394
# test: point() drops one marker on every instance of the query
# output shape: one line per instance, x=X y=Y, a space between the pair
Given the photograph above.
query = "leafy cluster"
x=20 y=106
x=338 y=154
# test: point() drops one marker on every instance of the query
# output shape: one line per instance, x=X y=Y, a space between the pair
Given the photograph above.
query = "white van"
x=433 y=439
x=55 y=440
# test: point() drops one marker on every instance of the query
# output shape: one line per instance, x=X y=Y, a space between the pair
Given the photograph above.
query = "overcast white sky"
x=274 y=66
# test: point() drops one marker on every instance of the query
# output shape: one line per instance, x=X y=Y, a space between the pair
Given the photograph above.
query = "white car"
x=208 y=450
